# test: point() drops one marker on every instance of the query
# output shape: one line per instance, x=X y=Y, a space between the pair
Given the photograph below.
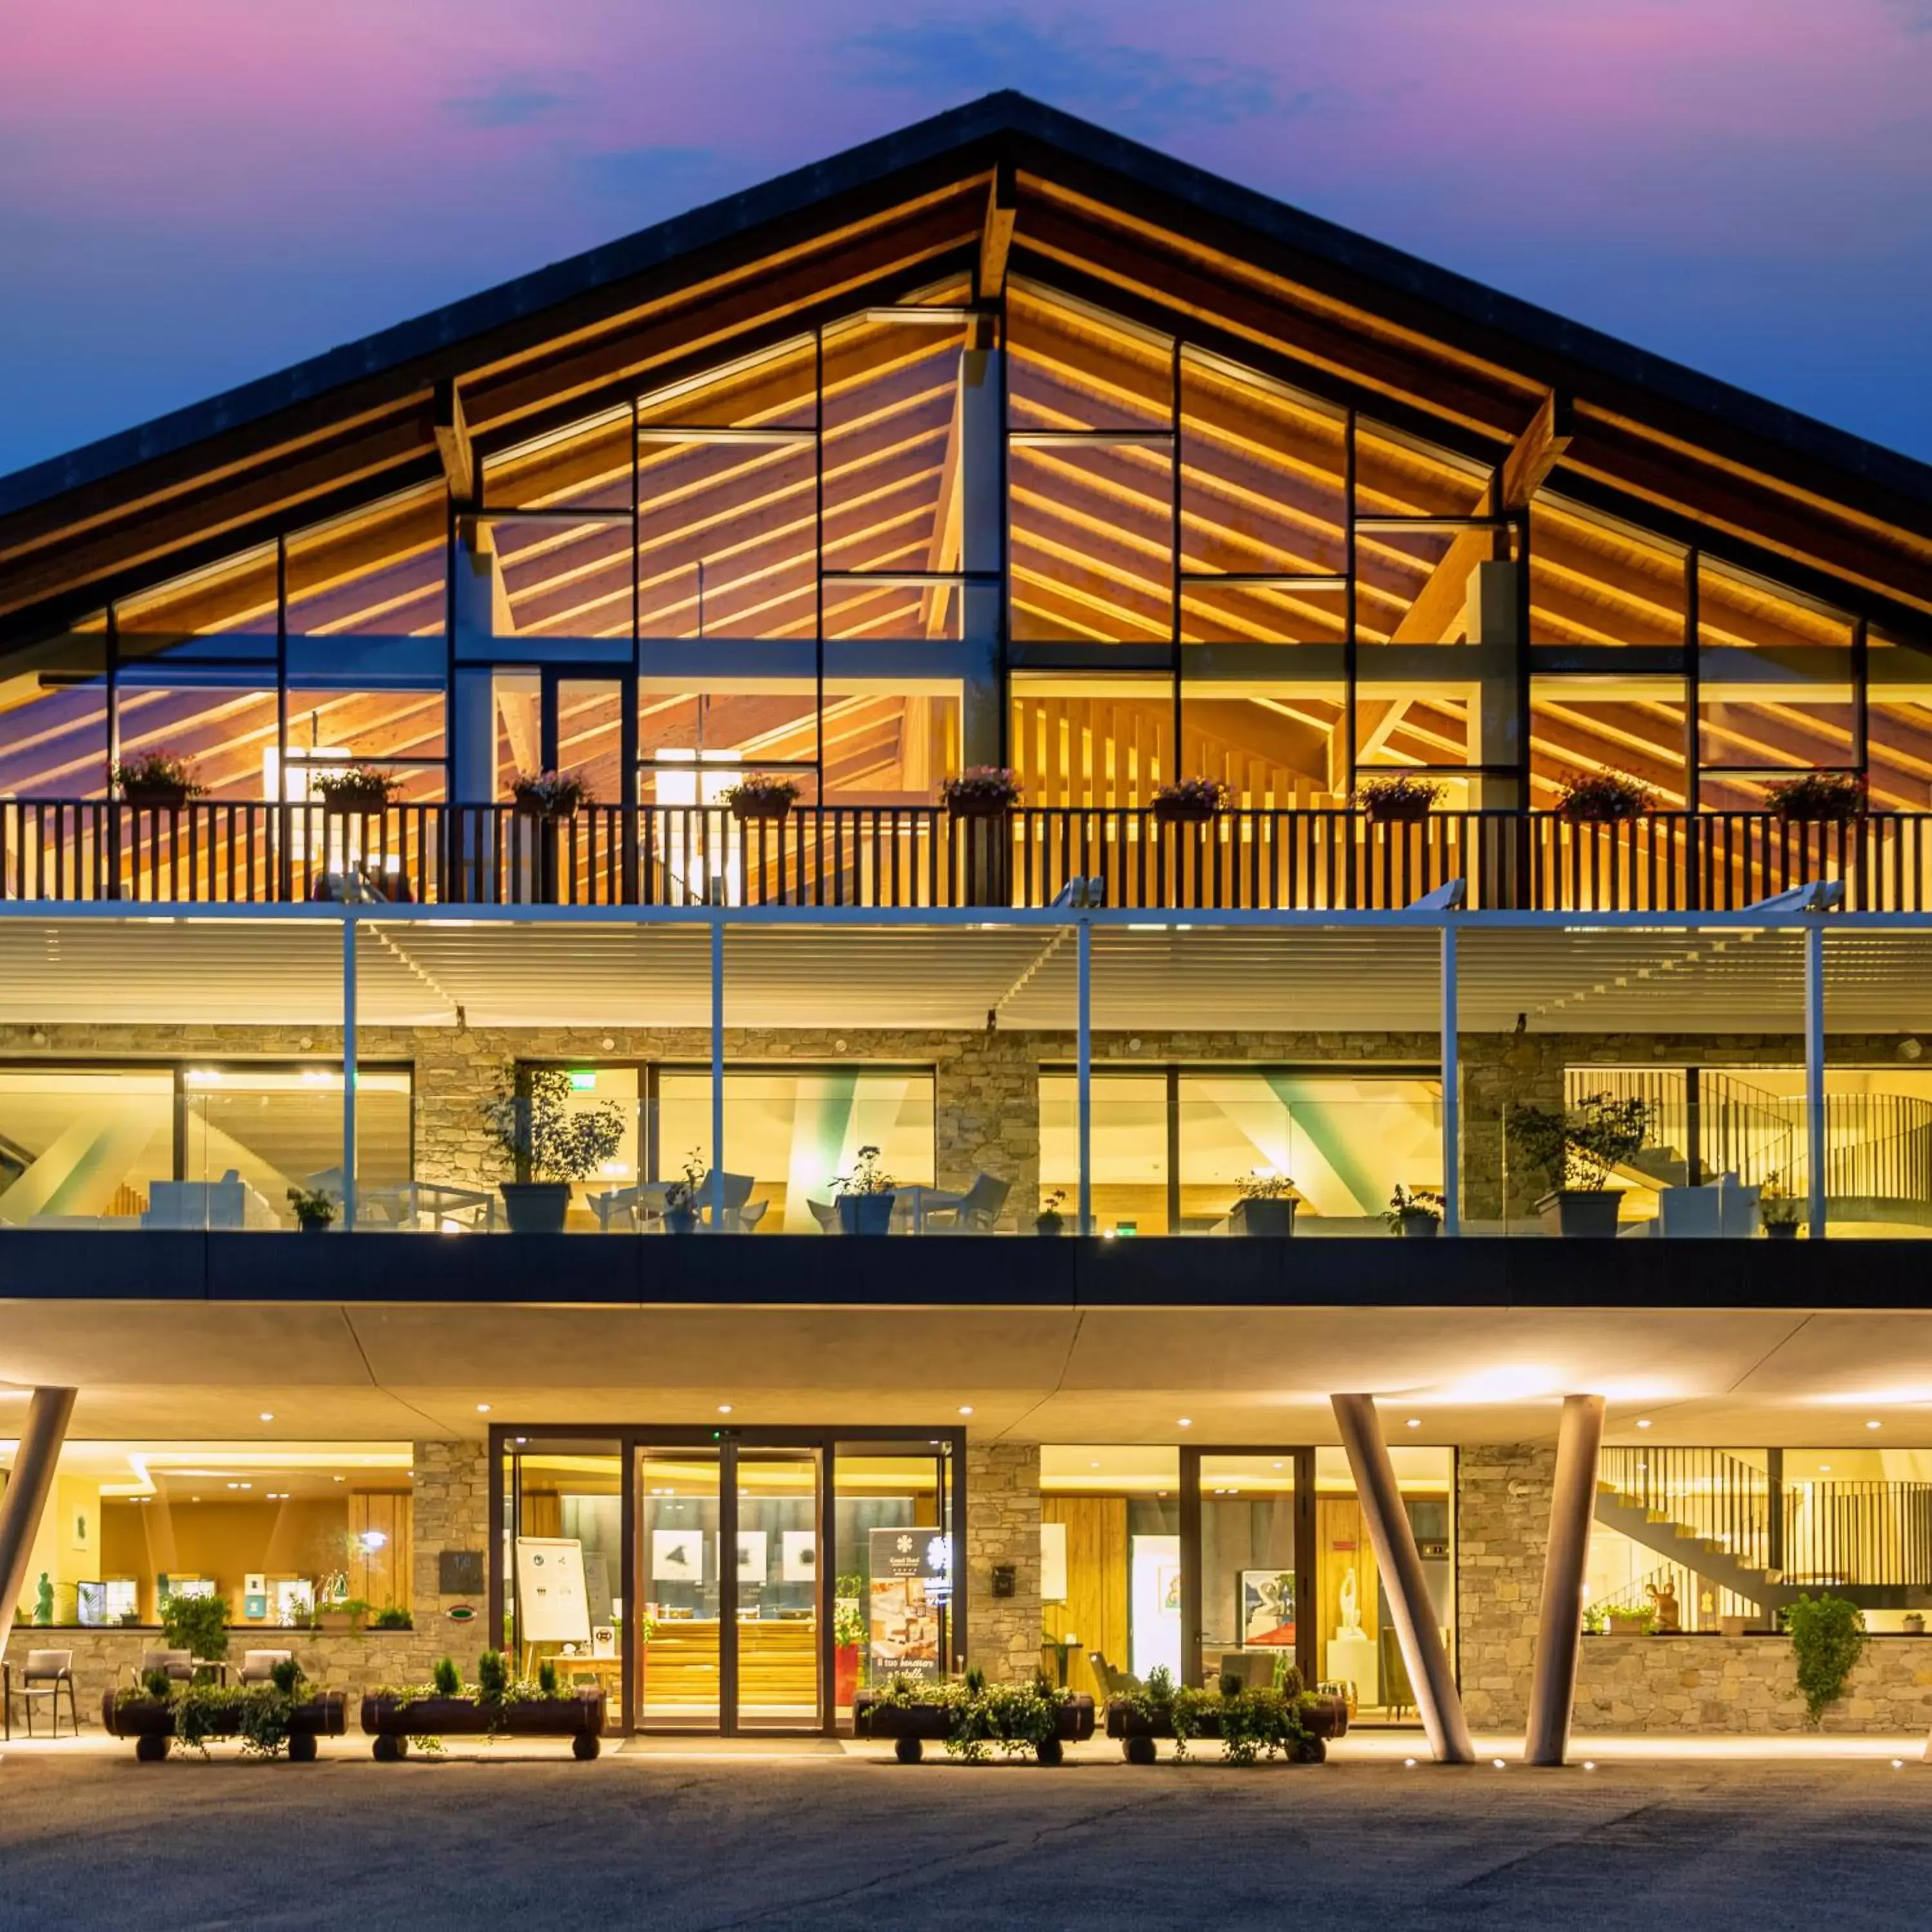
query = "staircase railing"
x=1719 y=1499
x=1858 y=1535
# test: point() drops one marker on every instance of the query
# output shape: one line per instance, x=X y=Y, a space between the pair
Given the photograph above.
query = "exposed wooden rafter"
x=452 y=443
x=996 y=238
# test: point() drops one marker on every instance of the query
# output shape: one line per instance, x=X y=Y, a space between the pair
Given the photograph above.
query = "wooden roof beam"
x=996 y=237
x=453 y=445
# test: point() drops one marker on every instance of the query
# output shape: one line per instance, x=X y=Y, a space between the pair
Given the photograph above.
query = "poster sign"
x=911 y=1586
x=1267 y=1608
x=552 y=1606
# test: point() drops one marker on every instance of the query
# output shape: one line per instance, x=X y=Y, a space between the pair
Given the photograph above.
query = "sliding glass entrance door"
x=729 y=1550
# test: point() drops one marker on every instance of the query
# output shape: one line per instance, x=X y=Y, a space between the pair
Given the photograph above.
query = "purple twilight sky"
x=196 y=192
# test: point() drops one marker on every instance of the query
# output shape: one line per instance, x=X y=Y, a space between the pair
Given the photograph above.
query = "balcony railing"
x=218 y=852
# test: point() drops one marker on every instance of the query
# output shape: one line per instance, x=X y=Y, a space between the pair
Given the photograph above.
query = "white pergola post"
x=349 y=1001
x=28 y=1488
x=1452 y=1154
x=718 y=1073
x=1559 y=1629
x=1393 y=1539
x=1814 y=1074
x=1083 y=1076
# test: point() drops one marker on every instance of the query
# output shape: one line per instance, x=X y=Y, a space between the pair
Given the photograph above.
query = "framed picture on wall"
x=1266 y=1607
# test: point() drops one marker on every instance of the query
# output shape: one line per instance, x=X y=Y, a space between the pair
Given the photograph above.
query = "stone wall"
x=451 y=1488
x=1502 y=1529
x=1745 y=1684
x=1002 y=1527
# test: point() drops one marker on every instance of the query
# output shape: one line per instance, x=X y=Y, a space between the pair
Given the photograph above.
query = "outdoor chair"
x=1113 y=1683
x=179 y=1664
x=825 y=1214
x=42 y=1678
x=978 y=1210
x=258 y=1667
x=723 y=1208
x=751 y=1215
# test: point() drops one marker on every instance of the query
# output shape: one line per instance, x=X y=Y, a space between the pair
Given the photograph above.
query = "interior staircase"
x=1708 y=1512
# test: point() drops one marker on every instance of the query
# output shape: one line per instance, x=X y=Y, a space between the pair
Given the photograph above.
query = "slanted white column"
x=1814 y=1074
x=1393 y=1541
x=982 y=512
x=1559 y=1629
x=28 y=1488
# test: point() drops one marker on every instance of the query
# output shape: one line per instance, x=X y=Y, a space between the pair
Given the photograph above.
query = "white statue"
x=1352 y=1608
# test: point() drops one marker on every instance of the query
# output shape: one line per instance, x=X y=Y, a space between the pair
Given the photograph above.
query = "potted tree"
x=1604 y=798
x=1415 y=1213
x=848 y=1638
x=1050 y=1220
x=1190 y=802
x=159 y=780
x=314 y=1210
x=1779 y=1210
x=1576 y=1150
x=759 y=795
x=549 y=1144
x=1267 y=1204
x=1818 y=798
x=551 y=796
x=360 y=791
x=1401 y=798
x=865 y=1196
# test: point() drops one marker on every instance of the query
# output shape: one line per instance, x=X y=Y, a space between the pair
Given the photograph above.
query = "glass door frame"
x=948 y=1443
x=625 y=677
x=1193 y=1665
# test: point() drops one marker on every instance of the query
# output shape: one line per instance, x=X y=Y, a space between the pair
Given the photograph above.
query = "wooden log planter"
x=392 y=1721
x=1322 y=1718
x=150 y=1722
x=912 y=1727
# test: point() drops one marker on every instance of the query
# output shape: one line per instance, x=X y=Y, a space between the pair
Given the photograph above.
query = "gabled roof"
x=1508 y=356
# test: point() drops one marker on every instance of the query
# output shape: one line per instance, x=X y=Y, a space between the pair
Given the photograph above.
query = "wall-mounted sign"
x=461 y=1613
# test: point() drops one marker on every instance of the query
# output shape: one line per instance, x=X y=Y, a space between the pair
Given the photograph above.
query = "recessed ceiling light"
x=966 y=1408
x=338 y=1479
x=1645 y=1424
x=1184 y=1422
x=1415 y=1422
x=267 y=1415
x=482 y=1409
x=723 y=1408
x=1092 y=1466
x=1874 y=1425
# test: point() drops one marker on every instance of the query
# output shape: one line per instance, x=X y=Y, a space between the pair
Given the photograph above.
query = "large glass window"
x=886 y=1623
x=203 y=1145
x=279 y=1530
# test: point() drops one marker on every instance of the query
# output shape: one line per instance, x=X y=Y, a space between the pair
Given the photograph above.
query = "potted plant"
x=314 y=1210
x=282 y=1715
x=497 y=1705
x=682 y=1202
x=848 y=1637
x=1400 y=798
x=363 y=790
x=1818 y=798
x=1280 y=1721
x=759 y=795
x=971 y=1717
x=1050 y=1220
x=1604 y=798
x=1415 y=1213
x=1778 y=1209
x=1190 y=802
x=393 y=1617
x=1267 y=1204
x=345 y=1614
x=1828 y=1636
x=981 y=791
x=1576 y=1150
x=550 y=1143
x=158 y=779
x=1632 y=1619
x=551 y=796
x=865 y=1196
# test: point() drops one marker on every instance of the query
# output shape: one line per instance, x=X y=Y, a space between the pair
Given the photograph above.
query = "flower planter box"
x=1781 y=1231
x=912 y=1727
x=1399 y=815
x=154 y=798
x=535 y=1207
x=336 y=1622
x=1264 y=1217
x=1413 y=1226
x=150 y=1723
x=1184 y=811
x=1580 y=1212
x=766 y=810
x=392 y=1721
x=1621 y=1625
x=866 y=1213
x=355 y=804
x=1322 y=1718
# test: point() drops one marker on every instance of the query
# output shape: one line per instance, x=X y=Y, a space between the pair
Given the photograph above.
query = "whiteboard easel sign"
x=552 y=1604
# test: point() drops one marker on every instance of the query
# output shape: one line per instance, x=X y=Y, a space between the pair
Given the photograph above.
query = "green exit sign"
x=583 y=1083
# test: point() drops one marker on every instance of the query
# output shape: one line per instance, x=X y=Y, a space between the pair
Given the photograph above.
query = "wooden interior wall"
x=1096 y=1606
x=382 y=1577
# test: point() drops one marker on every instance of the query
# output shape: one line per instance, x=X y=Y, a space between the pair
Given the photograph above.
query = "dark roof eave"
x=957 y=131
